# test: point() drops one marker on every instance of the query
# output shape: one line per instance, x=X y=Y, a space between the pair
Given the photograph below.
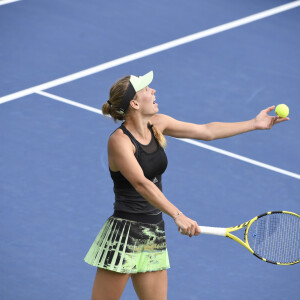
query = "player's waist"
x=153 y=218
x=125 y=188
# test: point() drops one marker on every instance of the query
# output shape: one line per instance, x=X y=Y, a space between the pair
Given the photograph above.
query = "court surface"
x=58 y=60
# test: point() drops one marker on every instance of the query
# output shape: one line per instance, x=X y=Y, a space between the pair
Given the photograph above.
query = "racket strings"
x=276 y=237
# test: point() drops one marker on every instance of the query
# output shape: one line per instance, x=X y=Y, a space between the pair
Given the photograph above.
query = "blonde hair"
x=159 y=136
x=116 y=94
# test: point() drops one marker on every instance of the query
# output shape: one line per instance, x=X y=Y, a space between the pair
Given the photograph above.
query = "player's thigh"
x=151 y=285
x=108 y=285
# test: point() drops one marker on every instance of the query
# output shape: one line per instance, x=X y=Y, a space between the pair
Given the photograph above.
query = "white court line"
x=7 y=1
x=150 y=51
x=61 y=99
x=243 y=158
x=193 y=142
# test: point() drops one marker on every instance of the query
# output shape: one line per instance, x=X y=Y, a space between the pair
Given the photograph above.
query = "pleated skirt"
x=129 y=247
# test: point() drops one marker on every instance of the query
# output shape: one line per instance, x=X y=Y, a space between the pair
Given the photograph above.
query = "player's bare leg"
x=108 y=285
x=151 y=285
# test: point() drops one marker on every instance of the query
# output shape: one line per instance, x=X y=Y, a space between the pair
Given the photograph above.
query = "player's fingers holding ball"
x=279 y=120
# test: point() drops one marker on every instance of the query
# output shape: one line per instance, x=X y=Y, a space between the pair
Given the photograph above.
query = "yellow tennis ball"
x=282 y=110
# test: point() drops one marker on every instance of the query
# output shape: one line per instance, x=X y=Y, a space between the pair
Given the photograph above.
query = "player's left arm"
x=215 y=130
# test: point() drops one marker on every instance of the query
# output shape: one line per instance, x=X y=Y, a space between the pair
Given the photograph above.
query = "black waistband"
x=143 y=218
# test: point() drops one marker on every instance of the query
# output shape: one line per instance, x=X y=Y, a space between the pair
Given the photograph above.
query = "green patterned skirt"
x=129 y=247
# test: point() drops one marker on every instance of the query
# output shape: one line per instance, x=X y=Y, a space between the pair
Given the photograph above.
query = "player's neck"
x=138 y=127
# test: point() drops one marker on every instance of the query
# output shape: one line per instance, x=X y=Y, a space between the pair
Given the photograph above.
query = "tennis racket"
x=273 y=237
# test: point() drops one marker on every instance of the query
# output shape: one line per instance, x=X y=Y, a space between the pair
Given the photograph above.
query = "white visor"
x=135 y=84
x=142 y=81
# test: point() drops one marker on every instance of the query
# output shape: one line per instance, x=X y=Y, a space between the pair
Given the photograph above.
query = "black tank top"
x=153 y=161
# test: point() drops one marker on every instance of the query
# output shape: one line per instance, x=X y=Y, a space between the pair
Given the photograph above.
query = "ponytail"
x=159 y=136
x=111 y=107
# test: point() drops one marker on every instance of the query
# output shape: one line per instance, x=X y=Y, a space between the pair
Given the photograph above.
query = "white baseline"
x=193 y=142
x=150 y=51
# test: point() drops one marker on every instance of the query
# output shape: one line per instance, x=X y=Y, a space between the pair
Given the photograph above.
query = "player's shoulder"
x=161 y=121
x=118 y=134
x=160 y=118
x=118 y=139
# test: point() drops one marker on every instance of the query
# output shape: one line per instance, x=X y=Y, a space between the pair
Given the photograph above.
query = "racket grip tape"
x=213 y=230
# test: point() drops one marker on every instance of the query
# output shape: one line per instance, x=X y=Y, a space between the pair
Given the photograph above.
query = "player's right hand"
x=187 y=226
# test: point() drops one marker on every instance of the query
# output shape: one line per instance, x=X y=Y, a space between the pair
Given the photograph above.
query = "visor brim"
x=142 y=81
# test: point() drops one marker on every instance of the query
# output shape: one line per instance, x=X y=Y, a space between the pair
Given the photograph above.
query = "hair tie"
x=109 y=102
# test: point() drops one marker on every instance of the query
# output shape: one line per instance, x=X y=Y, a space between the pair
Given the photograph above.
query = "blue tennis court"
x=213 y=61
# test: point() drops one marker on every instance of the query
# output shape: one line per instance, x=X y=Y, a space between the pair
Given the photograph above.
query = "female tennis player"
x=132 y=242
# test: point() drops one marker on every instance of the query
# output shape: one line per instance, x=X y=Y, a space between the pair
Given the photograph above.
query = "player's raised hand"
x=264 y=121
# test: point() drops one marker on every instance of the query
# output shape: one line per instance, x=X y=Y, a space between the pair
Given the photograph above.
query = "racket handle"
x=213 y=230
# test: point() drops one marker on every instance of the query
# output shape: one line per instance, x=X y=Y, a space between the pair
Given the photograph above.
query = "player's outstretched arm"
x=214 y=130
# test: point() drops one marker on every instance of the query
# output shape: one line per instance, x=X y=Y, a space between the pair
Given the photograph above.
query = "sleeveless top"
x=153 y=161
